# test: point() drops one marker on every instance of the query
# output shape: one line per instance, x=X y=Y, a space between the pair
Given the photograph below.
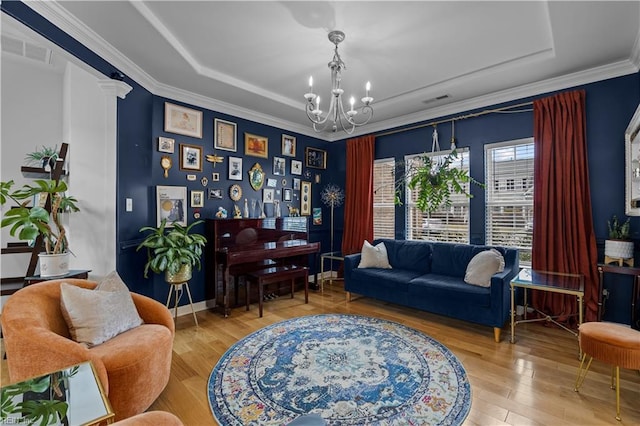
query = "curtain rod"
x=460 y=117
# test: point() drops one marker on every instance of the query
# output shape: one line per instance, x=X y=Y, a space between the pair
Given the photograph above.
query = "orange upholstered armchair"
x=133 y=366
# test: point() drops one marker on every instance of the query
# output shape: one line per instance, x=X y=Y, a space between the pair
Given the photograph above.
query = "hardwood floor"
x=527 y=383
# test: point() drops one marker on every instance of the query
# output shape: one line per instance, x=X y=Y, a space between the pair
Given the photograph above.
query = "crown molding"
x=605 y=72
x=57 y=15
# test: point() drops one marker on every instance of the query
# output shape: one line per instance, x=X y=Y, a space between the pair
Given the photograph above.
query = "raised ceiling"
x=253 y=59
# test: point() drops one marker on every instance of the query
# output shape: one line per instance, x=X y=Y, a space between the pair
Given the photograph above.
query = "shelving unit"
x=16 y=248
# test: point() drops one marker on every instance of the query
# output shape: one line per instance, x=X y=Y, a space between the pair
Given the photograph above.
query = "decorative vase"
x=182 y=276
x=618 y=249
x=53 y=265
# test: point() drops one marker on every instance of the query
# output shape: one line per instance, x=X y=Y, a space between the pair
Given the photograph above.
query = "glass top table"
x=554 y=282
x=331 y=256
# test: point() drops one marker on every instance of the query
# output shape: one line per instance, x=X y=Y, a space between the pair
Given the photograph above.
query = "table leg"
x=321 y=274
x=225 y=290
x=513 y=316
x=580 y=313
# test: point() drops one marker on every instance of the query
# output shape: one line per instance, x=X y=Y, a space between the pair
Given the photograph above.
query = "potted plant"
x=174 y=251
x=619 y=244
x=434 y=180
x=44 y=157
x=30 y=221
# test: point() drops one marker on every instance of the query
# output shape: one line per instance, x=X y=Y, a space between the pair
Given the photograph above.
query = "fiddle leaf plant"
x=28 y=221
x=169 y=249
x=434 y=180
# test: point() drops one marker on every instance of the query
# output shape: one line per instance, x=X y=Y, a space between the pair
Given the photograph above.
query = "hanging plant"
x=434 y=178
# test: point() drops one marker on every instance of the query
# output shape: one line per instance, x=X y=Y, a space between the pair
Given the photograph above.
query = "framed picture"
x=225 y=135
x=317 y=215
x=305 y=198
x=296 y=184
x=215 y=177
x=171 y=204
x=272 y=183
x=256 y=177
x=296 y=167
x=215 y=194
x=197 y=198
x=235 y=168
x=256 y=146
x=166 y=145
x=316 y=158
x=267 y=195
x=286 y=194
x=190 y=157
x=288 y=146
x=183 y=121
x=279 y=166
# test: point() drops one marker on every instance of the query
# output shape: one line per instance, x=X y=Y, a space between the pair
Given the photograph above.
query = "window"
x=384 y=209
x=510 y=212
x=447 y=223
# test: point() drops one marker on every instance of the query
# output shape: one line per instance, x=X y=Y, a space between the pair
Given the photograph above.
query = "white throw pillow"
x=374 y=257
x=483 y=266
x=95 y=316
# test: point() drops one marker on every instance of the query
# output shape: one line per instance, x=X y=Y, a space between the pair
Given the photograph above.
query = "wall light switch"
x=129 y=204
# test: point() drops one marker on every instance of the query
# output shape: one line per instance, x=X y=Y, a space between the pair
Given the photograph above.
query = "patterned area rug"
x=351 y=370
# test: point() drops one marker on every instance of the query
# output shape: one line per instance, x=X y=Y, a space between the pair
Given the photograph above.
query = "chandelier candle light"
x=337 y=114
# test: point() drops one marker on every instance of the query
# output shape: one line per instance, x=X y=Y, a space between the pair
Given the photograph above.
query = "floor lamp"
x=332 y=196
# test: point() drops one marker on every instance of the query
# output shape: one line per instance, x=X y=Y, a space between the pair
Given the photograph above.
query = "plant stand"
x=176 y=288
x=618 y=260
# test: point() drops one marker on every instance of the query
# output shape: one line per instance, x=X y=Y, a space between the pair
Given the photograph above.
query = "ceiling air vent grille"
x=436 y=99
x=26 y=50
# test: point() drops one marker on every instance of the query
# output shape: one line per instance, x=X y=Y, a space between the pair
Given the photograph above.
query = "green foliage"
x=44 y=411
x=617 y=230
x=435 y=182
x=36 y=157
x=27 y=222
x=169 y=249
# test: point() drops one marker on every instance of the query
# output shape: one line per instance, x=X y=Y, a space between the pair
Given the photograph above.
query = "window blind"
x=384 y=210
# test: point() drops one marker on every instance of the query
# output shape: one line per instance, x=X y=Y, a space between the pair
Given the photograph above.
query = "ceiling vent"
x=25 y=49
x=437 y=98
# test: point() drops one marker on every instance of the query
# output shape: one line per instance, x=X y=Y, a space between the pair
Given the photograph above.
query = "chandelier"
x=337 y=115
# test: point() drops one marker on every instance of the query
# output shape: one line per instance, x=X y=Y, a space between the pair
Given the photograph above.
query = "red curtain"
x=358 y=206
x=563 y=234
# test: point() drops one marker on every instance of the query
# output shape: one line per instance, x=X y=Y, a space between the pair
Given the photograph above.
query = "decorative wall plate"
x=256 y=177
x=235 y=192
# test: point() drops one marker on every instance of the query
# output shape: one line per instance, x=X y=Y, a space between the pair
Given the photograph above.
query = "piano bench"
x=274 y=275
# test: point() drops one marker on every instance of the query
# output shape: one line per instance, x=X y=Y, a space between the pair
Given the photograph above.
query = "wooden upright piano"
x=238 y=245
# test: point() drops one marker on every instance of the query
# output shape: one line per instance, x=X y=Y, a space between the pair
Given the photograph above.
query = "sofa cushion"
x=410 y=255
x=396 y=278
x=452 y=259
x=95 y=316
x=448 y=289
x=483 y=266
x=374 y=256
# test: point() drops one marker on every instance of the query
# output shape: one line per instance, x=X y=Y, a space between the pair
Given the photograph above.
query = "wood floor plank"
x=526 y=383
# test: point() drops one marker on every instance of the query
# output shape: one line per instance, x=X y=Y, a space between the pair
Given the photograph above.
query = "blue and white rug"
x=351 y=370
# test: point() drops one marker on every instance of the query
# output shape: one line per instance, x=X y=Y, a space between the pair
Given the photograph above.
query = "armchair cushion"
x=95 y=316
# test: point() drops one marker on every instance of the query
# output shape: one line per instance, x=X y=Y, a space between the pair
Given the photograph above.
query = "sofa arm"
x=351 y=262
x=153 y=312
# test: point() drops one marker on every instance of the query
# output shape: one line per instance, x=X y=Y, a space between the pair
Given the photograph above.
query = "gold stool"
x=614 y=344
x=175 y=288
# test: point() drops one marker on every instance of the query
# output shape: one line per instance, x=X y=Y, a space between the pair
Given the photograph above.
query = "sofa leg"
x=348 y=293
x=496 y=334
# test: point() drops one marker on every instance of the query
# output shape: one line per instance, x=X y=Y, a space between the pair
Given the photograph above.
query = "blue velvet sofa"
x=430 y=276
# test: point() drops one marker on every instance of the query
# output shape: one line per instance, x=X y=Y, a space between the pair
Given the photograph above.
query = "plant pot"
x=53 y=265
x=618 y=249
x=182 y=276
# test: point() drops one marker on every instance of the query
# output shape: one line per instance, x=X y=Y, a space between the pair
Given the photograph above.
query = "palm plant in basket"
x=174 y=251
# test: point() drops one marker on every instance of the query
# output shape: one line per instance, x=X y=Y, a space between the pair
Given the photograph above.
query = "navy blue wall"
x=610 y=105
